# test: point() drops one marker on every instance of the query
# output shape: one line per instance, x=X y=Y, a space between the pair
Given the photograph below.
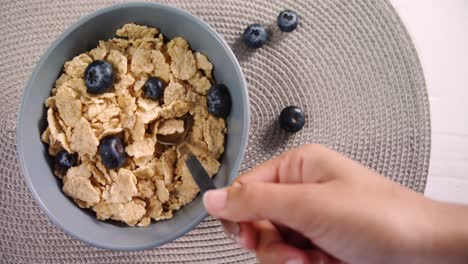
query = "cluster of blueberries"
x=292 y=118
x=256 y=35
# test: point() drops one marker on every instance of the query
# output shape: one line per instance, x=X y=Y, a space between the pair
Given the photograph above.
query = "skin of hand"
x=313 y=205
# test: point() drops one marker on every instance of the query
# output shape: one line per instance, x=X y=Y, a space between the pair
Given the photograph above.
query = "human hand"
x=313 y=205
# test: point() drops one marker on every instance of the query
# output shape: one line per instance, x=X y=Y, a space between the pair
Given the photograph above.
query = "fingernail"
x=215 y=199
x=236 y=184
x=231 y=229
x=294 y=261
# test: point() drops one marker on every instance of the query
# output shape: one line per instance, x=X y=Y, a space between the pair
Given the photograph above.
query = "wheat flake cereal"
x=153 y=181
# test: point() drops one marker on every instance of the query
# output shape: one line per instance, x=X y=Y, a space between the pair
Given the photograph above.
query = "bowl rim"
x=21 y=113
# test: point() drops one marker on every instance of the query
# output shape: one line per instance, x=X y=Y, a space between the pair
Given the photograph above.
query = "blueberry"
x=218 y=100
x=112 y=152
x=65 y=160
x=255 y=36
x=292 y=119
x=99 y=77
x=154 y=88
x=287 y=21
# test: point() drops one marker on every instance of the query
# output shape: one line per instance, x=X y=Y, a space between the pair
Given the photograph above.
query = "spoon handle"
x=205 y=183
x=199 y=173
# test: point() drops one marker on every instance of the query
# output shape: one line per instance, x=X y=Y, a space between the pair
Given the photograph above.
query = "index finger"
x=265 y=172
x=300 y=165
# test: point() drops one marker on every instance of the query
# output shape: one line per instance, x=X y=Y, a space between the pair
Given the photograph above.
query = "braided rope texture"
x=350 y=65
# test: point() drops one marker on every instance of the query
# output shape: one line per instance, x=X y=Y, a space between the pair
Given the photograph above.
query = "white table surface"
x=439 y=29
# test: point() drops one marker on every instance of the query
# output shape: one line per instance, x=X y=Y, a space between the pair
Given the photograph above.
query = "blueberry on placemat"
x=255 y=36
x=292 y=119
x=287 y=21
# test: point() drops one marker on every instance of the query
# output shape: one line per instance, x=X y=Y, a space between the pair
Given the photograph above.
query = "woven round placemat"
x=350 y=65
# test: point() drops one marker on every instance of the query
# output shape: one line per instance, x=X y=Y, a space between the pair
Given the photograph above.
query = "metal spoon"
x=177 y=138
x=199 y=174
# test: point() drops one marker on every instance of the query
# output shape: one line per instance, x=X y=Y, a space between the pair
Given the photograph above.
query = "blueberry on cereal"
x=99 y=77
x=65 y=160
x=292 y=119
x=154 y=88
x=255 y=36
x=218 y=100
x=112 y=152
x=287 y=21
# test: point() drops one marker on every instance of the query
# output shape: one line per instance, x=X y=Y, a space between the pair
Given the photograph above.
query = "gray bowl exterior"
x=84 y=35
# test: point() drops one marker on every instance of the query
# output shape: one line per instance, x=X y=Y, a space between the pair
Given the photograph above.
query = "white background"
x=439 y=29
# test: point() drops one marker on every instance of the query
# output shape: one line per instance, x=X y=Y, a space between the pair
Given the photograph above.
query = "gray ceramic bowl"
x=83 y=36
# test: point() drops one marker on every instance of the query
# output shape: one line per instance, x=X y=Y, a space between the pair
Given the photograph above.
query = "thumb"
x=289 y=204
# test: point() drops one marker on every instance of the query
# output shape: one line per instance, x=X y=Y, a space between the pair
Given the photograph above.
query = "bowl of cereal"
x=93 y=110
